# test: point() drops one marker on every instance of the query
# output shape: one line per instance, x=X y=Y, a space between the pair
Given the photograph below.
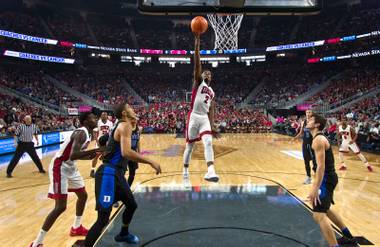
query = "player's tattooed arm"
x=197 y=62
x=79 y=138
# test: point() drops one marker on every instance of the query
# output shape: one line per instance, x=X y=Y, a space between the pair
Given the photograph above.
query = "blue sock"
x=347 y=233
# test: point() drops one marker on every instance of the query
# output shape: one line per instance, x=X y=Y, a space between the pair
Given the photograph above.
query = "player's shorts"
x=345 y=147
x=198 y=125
x=110 y=187
x=326 y=193
x=307 y=152
x=64 y=178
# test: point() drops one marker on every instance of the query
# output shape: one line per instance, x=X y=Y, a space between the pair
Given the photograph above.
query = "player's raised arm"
x=197 y=62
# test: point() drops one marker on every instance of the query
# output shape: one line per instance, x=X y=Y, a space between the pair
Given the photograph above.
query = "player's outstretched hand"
x=156 y=167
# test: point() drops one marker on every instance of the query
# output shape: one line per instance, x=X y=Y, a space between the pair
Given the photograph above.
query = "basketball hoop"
x=226 y=28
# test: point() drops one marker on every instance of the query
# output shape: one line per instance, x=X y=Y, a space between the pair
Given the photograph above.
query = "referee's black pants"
x=23 y=147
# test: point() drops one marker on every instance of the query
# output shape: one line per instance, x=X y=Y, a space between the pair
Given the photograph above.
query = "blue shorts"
x=110 y=187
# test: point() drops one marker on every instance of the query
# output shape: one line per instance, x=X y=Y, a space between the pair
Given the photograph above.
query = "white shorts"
x=345 y=147
x=64 y=178
x=198 y=125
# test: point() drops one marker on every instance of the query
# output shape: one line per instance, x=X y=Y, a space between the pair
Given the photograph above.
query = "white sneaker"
x=211 y=177
x=186 y=183
x=307 y=180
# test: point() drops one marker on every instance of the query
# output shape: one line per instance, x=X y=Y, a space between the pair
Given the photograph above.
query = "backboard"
x=248 y=7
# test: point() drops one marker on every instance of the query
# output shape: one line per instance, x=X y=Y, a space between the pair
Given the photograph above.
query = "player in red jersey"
x=200 y=125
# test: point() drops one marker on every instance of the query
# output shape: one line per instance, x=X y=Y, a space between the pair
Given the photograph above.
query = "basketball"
x=199 y=25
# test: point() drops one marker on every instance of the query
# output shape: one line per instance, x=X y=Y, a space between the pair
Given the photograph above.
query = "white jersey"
x=201 y=99
x=345 y=133
x=104 y=128
x=65 y=151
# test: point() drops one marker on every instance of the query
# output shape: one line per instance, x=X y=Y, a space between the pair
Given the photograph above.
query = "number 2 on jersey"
x=207 y=98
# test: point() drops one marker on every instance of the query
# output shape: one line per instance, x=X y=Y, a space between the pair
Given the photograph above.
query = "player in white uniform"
x=347 y=140
x=65 y=177
x=200 y=125
x=104 y=127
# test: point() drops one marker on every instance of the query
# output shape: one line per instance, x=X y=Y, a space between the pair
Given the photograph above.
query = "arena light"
x=363 y=35
x=215 y=59
x=343 y=57
x=144 y=59
x=174 y=59
x=243 y=58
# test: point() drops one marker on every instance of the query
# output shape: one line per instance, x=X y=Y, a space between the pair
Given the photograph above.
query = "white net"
x=226 y=28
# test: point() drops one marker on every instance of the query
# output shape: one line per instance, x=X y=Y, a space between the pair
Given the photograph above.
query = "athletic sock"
x=77 y=222
x=186 y=169
x=40 y=238
x=211 y=168
x=347 y=233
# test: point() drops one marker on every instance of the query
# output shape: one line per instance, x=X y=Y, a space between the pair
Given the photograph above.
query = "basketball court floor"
x=259 y=201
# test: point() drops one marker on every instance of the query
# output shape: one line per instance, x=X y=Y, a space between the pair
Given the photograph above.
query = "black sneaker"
x=9 y=175
x=344 y=241
x=42 y=171
x=130 y=238
x=92 y=173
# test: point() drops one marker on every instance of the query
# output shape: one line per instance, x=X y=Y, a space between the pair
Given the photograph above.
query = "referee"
x=24 y=143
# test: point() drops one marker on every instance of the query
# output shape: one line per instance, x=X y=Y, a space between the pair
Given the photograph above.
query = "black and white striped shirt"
x=25 y=132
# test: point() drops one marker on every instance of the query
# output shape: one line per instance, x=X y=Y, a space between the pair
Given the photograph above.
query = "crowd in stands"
x=35 y=87
x=364 y=116
x=160 y=84
x=111 y=31
x=68 y=26
x=106 y=85
x=352 y=84
x=170 y=117
x=166 y=90
x=13 y=111
x=287 y=82
x=24 y=22
x=164 y=33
